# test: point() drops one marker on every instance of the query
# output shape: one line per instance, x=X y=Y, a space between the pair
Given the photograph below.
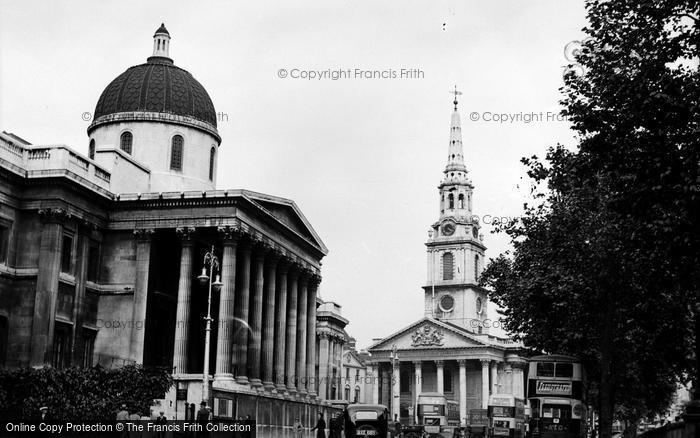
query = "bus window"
x=501 y=423
x=545 y=369
x=565 y=370
x=560 y=412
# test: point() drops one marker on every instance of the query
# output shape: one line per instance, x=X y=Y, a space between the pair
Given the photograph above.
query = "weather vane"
x=456 y=93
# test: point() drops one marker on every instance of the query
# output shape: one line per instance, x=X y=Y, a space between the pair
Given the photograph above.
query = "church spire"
x=455 y=159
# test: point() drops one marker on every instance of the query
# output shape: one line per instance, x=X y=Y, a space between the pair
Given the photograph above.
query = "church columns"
x=418 y=367
x=485 y=383
x=242 y=312
x=143 y=262
x=269 y=323
x=494 y=377
x=519 y=380
x=291 y=330
x=374 y=370
x=462 y=391
x=281 y=326
x=440 y=365
x=507 y=379
x=184 y=290
x=226 y=319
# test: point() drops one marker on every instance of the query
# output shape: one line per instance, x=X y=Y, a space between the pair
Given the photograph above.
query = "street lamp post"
x=395 y=399
x=212 y=261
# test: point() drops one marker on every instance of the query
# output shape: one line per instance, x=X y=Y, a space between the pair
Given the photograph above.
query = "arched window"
x=212 y=157
x=176 y=153
x=447 y=266
x=347 y=393
x=476 y=267
x=357 y=394
x=126 y=142
x=461 y=200
x=451 y=200
x=91 y=149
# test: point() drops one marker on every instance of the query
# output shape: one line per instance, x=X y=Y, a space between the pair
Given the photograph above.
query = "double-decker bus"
x=556 y=395
x=506 y=415
x=437 y=414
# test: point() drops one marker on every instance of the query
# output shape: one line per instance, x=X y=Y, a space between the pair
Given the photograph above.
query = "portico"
x=436 y=357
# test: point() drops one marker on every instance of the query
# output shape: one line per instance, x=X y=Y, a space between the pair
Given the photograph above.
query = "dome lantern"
x=161 y=44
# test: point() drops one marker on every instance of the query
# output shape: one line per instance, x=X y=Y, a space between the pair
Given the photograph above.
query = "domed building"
x=154 y=127
x=100 y=256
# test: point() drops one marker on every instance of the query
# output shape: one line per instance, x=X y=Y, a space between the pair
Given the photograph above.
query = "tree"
x=605 y=262
x=86 y=394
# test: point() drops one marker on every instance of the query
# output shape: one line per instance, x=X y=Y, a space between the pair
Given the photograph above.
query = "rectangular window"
x=545 y=369
x=357 y=375
x=67 y=254
x=4 y=239
x=93 y=261
x=565 y=370
x=88 y=347
x=61 y=346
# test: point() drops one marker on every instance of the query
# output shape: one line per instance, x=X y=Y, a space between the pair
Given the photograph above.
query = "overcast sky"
x=361 y=157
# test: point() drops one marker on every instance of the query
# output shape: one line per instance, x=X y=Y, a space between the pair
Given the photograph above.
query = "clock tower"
x=455 y=245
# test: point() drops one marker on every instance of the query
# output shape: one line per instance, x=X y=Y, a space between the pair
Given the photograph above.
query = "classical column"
x=184 y=292
x=292 y=331
x=281 y=325
x=418 y=387
x=519 y=380
x=226 y=321
x=375 y=383
x=256 y=312
x=311 y=336
x=386 y=386
x=494 y=377
x=242 y=311
x=440 y=365
x=395 y=389
x=462 y=391
x=268 y=341
x=46 y=295
x=143 y=261
x=301 y=332
x=484 y=383
x=507 y=379
x=323 y=353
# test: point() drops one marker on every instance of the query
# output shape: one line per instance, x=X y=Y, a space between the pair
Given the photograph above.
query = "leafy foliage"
x=606 y=261
x=89 y=394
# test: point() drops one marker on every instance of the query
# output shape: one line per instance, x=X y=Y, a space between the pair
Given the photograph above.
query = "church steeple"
x=455 y=188
x=455 y=246
x=455 y=157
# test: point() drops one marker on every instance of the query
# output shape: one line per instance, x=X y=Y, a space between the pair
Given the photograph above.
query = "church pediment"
x=428 y=333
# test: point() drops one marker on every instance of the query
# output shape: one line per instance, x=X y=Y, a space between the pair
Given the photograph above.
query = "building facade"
x=100 y=254
x=450 y=350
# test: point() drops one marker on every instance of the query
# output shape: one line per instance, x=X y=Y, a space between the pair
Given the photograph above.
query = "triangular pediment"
x=428 y=333
x=352 y=360
x=286 y=212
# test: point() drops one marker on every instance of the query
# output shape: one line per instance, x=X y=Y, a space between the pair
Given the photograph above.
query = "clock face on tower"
x=448 y=229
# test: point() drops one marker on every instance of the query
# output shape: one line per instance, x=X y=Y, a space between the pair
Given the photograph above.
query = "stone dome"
x=157 y=86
